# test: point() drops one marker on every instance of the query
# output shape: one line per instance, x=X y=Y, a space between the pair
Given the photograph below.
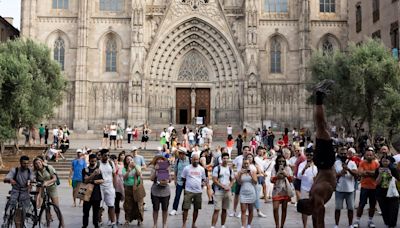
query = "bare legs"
x=185 y=215
x=244 y=207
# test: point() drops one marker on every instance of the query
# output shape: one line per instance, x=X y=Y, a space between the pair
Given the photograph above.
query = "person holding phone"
x=247 y=178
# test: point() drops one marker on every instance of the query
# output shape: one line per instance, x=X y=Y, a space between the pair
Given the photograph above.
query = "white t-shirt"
x=397 y=158
x=55 y=132
x=194 y=177
x=198 y=152
x=260 y=162
x=229 y=130
x=191 y=136
x=51 y=152
x=223 y=178
x=113 y=130
x=238 y=162
x=292 y=161
x=162 y=134
x=170 y=128
x=345 y=183
x=128 y=130
x=107 y=173
x=307 y=179
x=204 y=132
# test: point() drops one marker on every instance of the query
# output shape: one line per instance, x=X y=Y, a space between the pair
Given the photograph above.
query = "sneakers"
x=336 y=226
x=238 y=215
x=356 y=224
x=223 y=226
x=371 y=224
x=172 y=213
x=231 y=214
x=324 y=86
x=260 y=214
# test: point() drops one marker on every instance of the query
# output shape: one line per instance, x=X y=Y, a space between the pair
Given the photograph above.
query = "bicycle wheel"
x=6 y=214
x=31 y=216
x=9 y=218
x=50 y=216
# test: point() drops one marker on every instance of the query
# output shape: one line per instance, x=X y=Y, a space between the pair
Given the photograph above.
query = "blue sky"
x=11 y=8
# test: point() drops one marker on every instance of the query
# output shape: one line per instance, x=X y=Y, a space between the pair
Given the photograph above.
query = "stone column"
x=137 y=93
x=81 y=83
x=28 y=18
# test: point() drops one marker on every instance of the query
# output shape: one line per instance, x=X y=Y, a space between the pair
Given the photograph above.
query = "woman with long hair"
x=247 y=178
x=160 y=190
x=281 y=176
x=259 y=173
x=387 y=173
x=133 y=209
x=145 y=135
x=104 y=141
x=119 y=183
x=229 y=145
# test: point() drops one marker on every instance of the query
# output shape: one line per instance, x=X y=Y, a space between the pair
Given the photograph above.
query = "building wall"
x=389 y=12
x=7 y=31
x=148 y=33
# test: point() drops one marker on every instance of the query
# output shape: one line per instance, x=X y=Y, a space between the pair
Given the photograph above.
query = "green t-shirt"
x=130 y=181
x=41 y=130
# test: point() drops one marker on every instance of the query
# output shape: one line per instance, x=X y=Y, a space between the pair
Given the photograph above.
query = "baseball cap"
x=370 y=148
x=182 y=150
x=134 y=148
x=79 y=151
x=352 y=150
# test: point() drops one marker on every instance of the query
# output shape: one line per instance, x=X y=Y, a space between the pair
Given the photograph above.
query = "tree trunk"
x=1 y=154
x=16 y=141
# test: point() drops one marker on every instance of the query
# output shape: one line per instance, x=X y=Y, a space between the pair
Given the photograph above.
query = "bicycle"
x=50 y=214
x=11 y=218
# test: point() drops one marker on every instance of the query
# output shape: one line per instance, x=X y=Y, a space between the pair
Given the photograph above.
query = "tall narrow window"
x=111 y=56
x=358 y=18
x=327 y=6
x=394 y=36
x=275 y=56
x=276 y=6
x=111 y=5
x=376 y=35
x=375 y=10
x=327 y=47
x=60 y=4
x=59 y=52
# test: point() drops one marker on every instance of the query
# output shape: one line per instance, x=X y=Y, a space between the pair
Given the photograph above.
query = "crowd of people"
x=286 y=171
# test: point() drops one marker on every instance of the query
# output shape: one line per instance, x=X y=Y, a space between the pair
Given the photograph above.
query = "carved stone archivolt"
x=194 y=35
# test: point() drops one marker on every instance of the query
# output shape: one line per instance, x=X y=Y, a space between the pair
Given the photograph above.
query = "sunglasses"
x=309 y=155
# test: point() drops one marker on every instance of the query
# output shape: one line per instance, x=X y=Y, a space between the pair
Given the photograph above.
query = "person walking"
x=75 y=174
x=247 y=178
x=229 y=145
x=92 y=175
x=119 y=184
x=46 y=134
x=41 y=134
x=107 y=169
x=160 y=190
x=306 y=173
x=366 y=170
x=180 y=163
x=131 y=173
x=113 y=135
x=387 y=175
x=194 y=178
x=281 y=176
x=105 y=140
x=223 y=179
x=346 y=172
x=129 y=133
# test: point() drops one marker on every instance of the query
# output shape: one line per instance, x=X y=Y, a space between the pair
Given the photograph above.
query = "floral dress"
x=280 y=190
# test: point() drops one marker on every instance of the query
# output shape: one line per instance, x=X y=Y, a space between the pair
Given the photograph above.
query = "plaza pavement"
x=73 y=216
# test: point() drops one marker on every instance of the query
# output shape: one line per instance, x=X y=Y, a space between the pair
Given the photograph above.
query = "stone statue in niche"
x=193 y=97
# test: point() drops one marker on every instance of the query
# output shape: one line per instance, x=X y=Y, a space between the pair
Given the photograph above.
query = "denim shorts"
x=341 y=196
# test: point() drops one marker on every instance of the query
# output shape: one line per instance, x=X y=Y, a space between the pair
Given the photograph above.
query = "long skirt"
x=133 y=210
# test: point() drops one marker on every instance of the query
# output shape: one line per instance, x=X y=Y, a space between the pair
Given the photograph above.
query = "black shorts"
x=156 y=201
x=113 y=137
x=237 y=189
x=145 y=138
x=367 y=195
x=105 y=136
x=297 y=184
x=324 y=154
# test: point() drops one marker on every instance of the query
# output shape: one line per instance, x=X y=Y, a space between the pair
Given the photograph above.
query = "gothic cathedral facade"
x=242 y=62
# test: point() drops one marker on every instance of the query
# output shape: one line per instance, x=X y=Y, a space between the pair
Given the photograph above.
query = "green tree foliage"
x=31 y=85
x=367 y=85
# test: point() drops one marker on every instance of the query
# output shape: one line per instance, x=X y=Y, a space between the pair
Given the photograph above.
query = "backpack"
x=48 y=170
x=214 y=186
x=109 y=162
x=16 y=173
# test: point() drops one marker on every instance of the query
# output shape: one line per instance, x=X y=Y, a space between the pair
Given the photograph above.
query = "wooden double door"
x=184 y=105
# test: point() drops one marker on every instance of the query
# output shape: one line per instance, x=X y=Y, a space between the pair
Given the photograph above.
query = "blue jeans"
x=178 y=193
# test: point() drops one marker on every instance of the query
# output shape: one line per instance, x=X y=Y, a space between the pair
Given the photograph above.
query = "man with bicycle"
x=20 y=179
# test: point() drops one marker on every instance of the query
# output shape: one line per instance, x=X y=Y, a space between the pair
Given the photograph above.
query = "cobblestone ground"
x=73 y=216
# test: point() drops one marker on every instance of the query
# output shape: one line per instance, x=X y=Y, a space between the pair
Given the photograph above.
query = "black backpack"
x=214 y=186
